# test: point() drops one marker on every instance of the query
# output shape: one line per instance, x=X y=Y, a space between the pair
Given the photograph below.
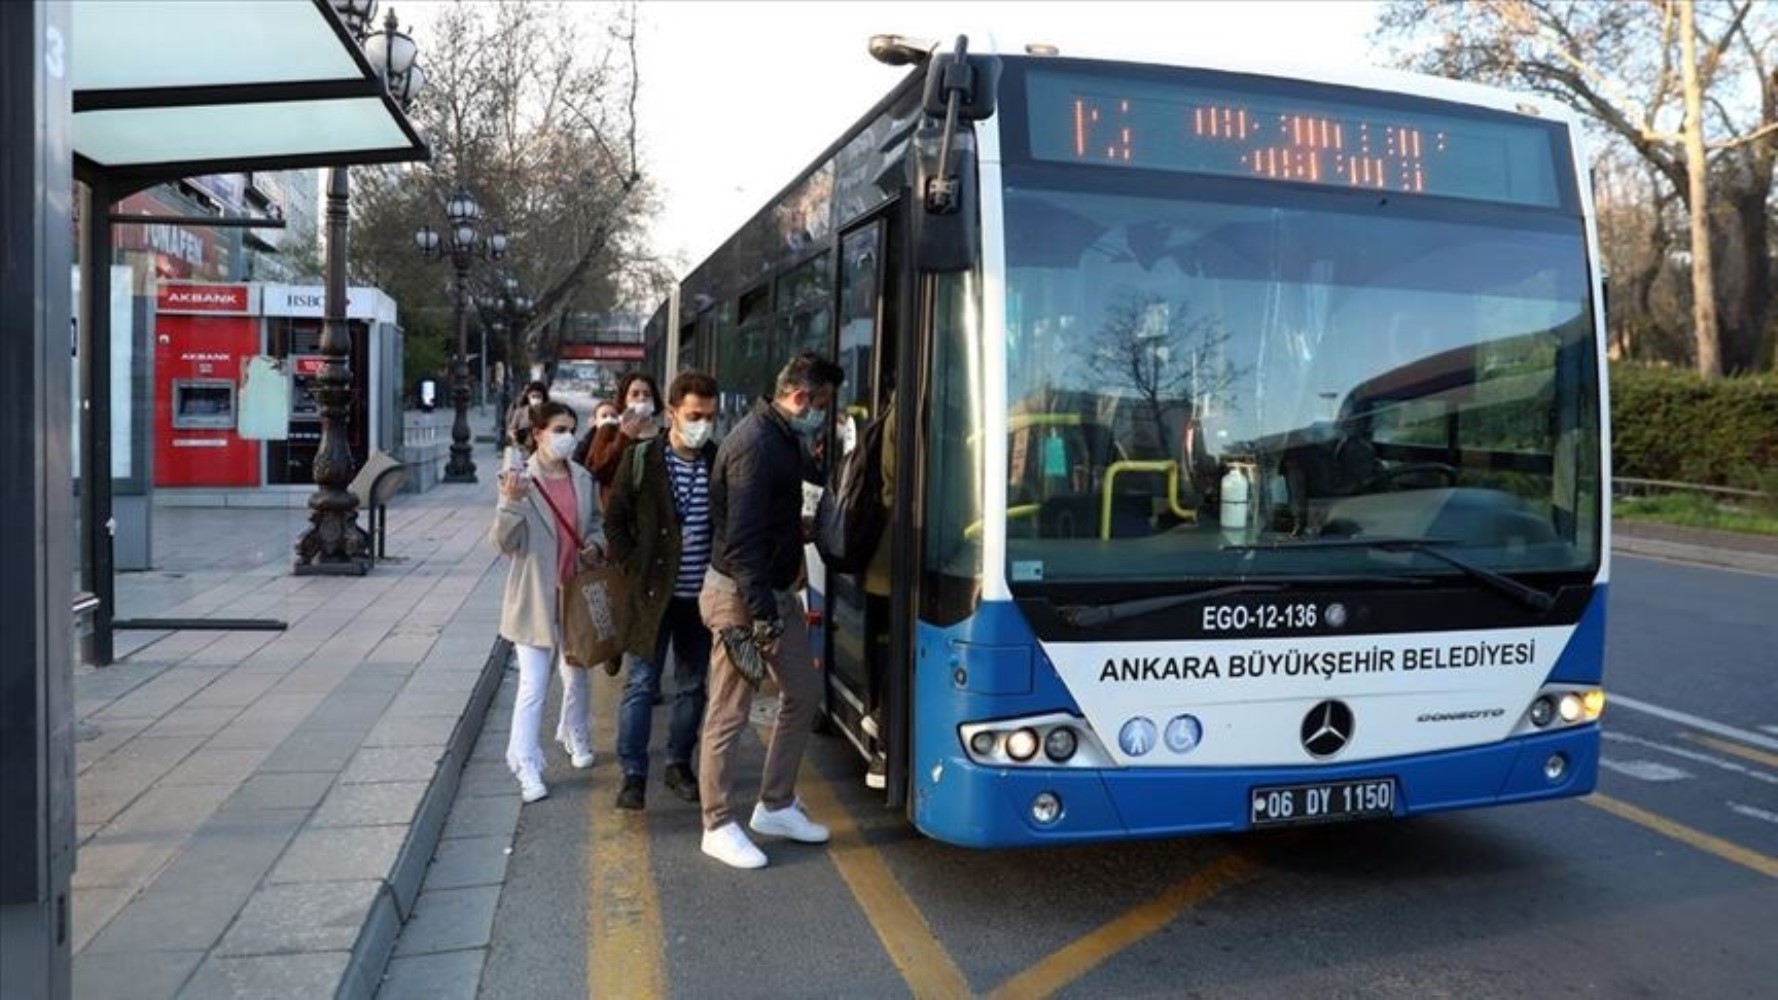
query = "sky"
x=738 y=97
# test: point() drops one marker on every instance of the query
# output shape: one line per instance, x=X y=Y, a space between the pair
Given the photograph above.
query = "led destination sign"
x=1077 y=118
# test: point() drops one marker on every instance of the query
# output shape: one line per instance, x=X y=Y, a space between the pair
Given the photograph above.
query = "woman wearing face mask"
x=606 y=414
x=546 y=507
x=639 y=420
x=518 y=422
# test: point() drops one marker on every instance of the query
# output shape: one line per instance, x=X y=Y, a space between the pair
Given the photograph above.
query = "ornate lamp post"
x=334 y=544
x=504 y=313
x=462 y=246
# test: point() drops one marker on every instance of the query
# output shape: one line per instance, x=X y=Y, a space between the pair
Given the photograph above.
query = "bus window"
x=805 y=308
x=858 y=327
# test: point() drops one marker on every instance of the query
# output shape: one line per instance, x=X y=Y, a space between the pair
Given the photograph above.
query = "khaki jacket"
x=643 y=525
x=525 y=531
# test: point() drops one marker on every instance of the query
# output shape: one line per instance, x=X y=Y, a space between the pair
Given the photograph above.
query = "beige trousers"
x=726 y=713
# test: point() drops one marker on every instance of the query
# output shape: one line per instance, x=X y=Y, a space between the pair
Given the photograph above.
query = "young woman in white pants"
x=532 y=527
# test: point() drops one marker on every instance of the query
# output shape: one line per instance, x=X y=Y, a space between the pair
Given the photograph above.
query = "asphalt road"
x=1665 y=883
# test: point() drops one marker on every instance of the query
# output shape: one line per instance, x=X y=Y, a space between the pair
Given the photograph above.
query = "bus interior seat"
x=1077 y=515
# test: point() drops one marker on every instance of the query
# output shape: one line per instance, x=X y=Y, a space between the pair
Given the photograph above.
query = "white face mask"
x=560 y=445
x=642 y=409
x=695 y=433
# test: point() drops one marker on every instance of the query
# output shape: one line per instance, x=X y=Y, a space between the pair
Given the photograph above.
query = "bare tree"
x=536 y=115
x=1689 y=87
x=1639 y=223
x=1173 y=362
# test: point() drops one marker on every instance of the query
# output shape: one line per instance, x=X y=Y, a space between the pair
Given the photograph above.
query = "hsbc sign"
x=176 y=297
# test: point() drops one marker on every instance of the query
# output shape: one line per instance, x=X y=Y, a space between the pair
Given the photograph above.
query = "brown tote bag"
x=587 y=606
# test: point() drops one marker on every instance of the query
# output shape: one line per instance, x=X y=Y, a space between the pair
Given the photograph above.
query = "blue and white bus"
x=1252 y=449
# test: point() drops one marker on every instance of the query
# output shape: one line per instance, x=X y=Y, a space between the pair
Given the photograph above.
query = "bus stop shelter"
x=120 y=95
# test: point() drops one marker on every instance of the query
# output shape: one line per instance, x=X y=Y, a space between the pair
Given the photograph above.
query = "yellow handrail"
x=1170 y=467
x=1021 y=510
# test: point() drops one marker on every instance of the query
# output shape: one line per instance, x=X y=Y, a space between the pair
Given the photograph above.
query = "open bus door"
x=857 y=622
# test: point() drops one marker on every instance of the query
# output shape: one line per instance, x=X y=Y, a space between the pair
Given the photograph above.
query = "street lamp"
x=460 y=243
x=505 y=313
x=334 y=544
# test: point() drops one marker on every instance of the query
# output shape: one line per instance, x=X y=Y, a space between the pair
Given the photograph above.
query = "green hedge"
x=1671 y=424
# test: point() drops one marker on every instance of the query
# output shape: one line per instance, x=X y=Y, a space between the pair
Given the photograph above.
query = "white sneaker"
x=729 y=845
x=789 y=821
x=580 y=754
x=531 y=786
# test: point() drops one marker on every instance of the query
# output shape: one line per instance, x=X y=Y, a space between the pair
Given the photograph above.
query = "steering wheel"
x=1390 y=476
x=1358 y=464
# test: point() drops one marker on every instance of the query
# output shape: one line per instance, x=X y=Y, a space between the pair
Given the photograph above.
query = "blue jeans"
x=683 y=628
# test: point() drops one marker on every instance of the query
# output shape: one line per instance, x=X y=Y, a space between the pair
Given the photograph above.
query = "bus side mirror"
x=960 y=88
x=945 y=235
x=975 y=79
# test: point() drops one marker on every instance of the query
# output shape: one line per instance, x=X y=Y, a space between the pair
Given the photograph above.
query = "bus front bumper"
x=970 y=805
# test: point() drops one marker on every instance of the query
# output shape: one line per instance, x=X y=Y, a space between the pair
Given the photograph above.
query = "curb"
x=1701 y=555
x=394 y=905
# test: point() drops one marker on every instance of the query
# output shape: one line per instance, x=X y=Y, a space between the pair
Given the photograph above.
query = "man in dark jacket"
x=756 y=505
x=658 y=523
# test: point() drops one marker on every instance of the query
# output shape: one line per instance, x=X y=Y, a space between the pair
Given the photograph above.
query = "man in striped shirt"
x=658 y=523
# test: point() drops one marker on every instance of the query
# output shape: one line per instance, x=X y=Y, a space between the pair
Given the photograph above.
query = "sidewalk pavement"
x=256 y=809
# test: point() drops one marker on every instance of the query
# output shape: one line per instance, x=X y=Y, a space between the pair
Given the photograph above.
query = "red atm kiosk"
x=204 y=335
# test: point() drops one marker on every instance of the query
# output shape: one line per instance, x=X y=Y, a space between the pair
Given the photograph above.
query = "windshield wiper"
x=1523 y=593
x=1096 y=615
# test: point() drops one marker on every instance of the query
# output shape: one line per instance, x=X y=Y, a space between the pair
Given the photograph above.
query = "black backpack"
x=852 y=516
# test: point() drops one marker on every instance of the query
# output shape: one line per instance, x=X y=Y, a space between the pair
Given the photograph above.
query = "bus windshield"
x=1204 y=384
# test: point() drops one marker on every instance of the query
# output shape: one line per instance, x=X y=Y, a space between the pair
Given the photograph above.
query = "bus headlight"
x=1021 y=744
x=1046 y=808
x=1065 y=739
x=1060 y=744
x=1593 y=704
x=1559 y=706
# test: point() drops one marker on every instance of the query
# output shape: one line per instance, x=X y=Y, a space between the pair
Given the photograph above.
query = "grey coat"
x=525 y=531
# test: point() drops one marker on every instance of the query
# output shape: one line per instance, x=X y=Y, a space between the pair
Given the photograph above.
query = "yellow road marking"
x=1745 y=753
x=625 y=955
x=918 y=954
x=1761 y=863
x=1086 y=953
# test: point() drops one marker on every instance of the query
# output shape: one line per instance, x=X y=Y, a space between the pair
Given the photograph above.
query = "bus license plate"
x=1326 y=802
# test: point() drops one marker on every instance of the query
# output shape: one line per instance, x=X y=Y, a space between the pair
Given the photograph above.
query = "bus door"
x=864 y=350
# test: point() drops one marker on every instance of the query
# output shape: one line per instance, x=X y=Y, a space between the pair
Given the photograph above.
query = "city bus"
x=1253 y=449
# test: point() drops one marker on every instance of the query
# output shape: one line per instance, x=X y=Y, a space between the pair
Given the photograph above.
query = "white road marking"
x=1615 y=700
x=1754 y=812
x=1693 y=755
x=1646 y=770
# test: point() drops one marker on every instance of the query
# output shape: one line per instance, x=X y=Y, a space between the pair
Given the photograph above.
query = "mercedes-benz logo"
x=1327 y=729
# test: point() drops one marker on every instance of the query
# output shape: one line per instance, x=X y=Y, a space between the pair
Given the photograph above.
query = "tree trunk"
x=1745 y=308
x=1704 y=327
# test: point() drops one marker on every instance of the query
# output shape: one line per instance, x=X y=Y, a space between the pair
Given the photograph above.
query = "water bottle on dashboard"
x=1236 y=506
